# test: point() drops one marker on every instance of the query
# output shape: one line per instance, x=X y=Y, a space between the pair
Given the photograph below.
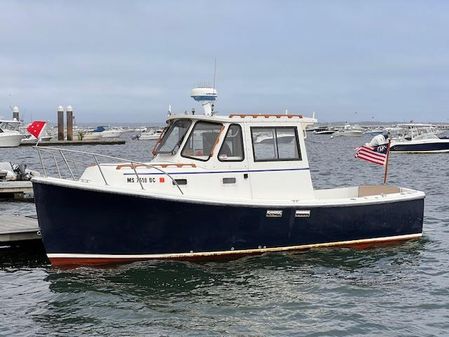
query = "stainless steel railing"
x=71 y=159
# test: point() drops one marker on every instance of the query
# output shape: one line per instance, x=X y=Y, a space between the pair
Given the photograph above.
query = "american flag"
x=373 y=154
x=36 y=128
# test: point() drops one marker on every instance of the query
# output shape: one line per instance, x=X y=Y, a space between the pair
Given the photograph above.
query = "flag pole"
x=38 y=140
x=386 y=161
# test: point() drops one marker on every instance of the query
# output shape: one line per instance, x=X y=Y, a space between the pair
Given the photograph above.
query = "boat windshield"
x=174 y=136
x=202 y=141
x=9 y=125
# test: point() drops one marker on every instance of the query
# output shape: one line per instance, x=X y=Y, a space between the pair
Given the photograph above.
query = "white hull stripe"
x=232 y=252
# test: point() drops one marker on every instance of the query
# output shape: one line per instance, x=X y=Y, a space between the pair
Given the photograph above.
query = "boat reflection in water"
x=215 y=191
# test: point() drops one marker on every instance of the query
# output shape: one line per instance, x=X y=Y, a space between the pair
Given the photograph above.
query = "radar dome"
x=206 y=96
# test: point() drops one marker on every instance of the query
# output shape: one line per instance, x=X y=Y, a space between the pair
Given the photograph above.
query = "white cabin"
x=236 y=157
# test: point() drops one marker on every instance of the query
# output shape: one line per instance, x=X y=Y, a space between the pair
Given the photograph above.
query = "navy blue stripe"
x=214 y=172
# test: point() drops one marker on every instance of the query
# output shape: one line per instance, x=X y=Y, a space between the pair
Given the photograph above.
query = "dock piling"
x=60 y=123
x=69 y=112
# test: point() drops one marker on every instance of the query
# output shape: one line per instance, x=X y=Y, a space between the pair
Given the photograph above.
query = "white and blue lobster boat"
x=213 y=192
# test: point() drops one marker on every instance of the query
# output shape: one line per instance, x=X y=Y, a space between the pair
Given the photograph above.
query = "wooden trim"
x=133 y=166
x=162 y=134
x=370 y=190
x=175 y=165
x=217 y=141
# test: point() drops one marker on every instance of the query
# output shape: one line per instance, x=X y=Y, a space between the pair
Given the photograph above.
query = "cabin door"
x=277 y=168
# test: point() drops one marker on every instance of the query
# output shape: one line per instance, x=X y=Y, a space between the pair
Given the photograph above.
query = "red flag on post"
x=36 y=128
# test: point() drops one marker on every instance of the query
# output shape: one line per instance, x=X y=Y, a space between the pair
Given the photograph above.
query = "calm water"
x=395 y=291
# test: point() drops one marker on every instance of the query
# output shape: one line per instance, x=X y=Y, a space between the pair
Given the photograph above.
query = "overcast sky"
x=125 y=61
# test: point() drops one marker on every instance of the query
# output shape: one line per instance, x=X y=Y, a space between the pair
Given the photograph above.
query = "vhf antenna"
x=215 y=70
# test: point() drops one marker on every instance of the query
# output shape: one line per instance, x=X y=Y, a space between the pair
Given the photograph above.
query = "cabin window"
x=232 y=147
x=202 y=140
x=174 y=136
x=275 y=143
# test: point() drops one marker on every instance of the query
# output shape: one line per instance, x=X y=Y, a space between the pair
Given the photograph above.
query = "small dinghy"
x=214 y=191
x=15 y=172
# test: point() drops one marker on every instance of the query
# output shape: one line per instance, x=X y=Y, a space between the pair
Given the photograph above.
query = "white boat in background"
x=418 y=138
x=151 y=134
x=374 y=132
x=9 y=133
x=324 y=130
x=30 y=139
x=112 y=133
x=103 y=132
x=349 y=131
x=16 y=172
x=268 y=137
x=90 y=135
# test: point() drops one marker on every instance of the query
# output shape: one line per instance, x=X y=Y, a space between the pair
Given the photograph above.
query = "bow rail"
x=71 y=159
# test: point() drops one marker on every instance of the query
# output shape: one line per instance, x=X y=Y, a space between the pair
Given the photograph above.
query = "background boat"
x=418 y=138
x=102 y=132
x=349 y=131
x=10 y=136
x=151 y=134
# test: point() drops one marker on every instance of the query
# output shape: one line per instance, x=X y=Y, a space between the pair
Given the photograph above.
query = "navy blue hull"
x=75 y=221
x=426 y=147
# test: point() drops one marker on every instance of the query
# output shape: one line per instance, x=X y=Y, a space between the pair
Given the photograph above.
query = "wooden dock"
x=18 y=229
x=16 y=190
x=79 y=142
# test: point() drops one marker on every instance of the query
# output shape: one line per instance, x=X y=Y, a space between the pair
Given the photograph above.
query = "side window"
x=202 y=141
x=232 y=147
x=275 y=143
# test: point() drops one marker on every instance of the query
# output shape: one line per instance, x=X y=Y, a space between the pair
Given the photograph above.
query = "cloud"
x=383 y=59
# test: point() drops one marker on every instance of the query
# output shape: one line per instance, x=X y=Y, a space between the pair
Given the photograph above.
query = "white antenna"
x=206 y=95
x=215 y=71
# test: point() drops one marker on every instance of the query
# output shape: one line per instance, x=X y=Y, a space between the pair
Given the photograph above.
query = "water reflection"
x=159 y=279
x=171 y=296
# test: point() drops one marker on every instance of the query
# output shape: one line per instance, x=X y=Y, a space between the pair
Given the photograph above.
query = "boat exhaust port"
x=302 y=214
x=274 y=214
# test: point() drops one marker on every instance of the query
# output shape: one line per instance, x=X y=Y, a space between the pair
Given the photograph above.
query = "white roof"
x=250 y=118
